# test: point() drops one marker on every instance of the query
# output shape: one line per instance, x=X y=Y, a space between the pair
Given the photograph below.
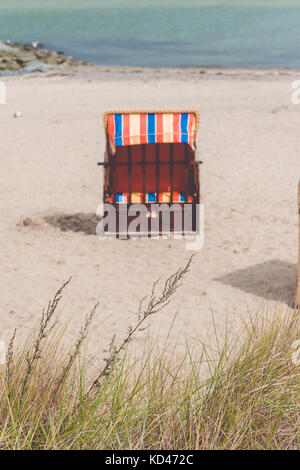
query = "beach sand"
x=50 y=188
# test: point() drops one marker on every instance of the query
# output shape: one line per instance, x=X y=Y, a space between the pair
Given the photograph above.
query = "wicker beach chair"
x=298 y=273
x=150 y=158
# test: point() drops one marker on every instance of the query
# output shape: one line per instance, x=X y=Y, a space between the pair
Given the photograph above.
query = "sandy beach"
x=50 y=188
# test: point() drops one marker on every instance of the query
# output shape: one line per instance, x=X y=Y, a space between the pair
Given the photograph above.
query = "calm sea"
x=259 y=33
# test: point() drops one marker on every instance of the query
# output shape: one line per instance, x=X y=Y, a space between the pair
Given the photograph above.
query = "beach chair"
x=298 y=273
x=150 y=158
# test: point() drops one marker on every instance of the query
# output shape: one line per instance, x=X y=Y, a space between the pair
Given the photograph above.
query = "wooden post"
x=129 y=173
x=171 y=172
x=112 y=171
x=157 y=172
x=298 y=273
x=144 y=171
x=186 y=172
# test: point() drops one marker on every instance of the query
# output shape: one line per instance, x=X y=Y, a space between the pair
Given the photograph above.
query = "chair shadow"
x=78 y=222
x=273 y=280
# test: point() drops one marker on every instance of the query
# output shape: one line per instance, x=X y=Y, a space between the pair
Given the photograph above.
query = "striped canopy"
x=145 y=127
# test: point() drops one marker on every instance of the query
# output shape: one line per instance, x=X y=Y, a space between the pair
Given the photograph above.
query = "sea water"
x=225 y=33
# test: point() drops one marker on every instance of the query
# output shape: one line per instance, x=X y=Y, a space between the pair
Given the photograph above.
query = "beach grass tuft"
x=250 y=399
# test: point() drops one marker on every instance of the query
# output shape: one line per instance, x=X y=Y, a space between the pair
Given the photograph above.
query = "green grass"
x=250 y=400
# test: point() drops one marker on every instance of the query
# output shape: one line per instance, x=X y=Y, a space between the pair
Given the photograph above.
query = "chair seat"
x=137 y=198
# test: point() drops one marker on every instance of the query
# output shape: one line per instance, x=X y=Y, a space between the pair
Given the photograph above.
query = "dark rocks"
x=36 y=66
x=31 y=58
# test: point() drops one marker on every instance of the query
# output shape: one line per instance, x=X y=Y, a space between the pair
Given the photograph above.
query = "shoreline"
x=116 y=72
x=17 y=59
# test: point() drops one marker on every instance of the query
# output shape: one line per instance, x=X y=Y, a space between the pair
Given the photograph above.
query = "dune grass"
x=250 y=400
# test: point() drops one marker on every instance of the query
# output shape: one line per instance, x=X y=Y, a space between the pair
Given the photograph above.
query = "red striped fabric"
x=126 y=129
x=130 y=129
x=143 y=136
x=137 y=198
x=176 y=128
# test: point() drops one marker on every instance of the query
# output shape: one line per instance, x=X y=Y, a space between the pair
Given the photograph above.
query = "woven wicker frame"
x=110 y=166
x=298 y=273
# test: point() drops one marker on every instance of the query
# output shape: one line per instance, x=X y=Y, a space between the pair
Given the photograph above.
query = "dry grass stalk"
x=251 y=400
x=9 y=359
x=44 y=329
x=155 y=305
x=77 y=348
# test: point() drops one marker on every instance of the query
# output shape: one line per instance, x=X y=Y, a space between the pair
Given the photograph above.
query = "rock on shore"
x=31 y=58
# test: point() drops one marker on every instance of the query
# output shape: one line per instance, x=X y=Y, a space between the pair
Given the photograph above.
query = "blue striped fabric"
x=151 y=197
x=184 y=128
x=151 y=128
x=119 y=197
x=118 y=129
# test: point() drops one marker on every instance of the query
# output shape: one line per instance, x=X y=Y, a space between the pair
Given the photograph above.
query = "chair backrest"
x=171 y=173
x=150 y=127
x=151 y=154
x=298 y=273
